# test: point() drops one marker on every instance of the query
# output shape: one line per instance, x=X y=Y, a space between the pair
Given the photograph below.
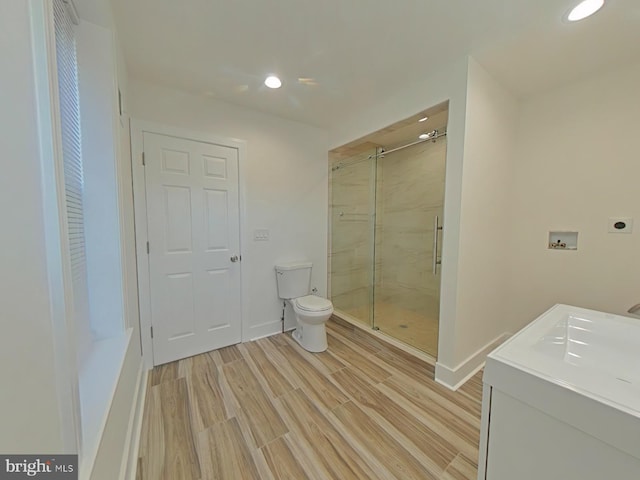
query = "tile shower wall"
x=351 y=236
x=410 y=194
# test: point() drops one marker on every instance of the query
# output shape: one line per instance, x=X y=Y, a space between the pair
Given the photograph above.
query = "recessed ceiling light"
x=424 y=136
x=584 y=9
x=273 y=82
x=423 y=119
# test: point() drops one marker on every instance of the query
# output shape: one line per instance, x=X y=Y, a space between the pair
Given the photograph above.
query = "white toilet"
x=312 y=311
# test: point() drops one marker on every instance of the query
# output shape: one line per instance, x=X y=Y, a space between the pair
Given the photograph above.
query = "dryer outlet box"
x=620 y=225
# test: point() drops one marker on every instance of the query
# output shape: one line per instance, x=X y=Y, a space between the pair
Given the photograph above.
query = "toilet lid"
x=313 y=303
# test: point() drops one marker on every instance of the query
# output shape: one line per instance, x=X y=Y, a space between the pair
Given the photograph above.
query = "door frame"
x=138 y=129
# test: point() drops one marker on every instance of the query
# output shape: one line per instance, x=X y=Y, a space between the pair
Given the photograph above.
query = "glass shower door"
x=352 y=232
x=409 y=198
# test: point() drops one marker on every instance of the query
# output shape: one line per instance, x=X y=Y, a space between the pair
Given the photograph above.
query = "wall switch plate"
x=261 y=235
x=620 y=225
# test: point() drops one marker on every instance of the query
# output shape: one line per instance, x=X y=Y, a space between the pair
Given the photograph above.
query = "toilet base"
x=313 y=338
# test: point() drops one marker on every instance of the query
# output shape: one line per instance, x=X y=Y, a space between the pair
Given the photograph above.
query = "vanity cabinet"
x=549 y=415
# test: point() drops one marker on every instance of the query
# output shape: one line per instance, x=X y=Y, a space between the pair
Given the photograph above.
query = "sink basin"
x=606 y=343
x=591 y=352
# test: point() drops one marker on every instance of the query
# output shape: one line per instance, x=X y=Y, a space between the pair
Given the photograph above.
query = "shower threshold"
x=353 y=321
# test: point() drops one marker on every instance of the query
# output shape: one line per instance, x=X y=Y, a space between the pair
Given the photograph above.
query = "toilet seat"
x=313 y=303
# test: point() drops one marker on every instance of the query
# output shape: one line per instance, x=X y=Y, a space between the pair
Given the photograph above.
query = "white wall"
x=98 y=100
x=491 y=122
x=577 y=164
x=125 y=195
x=30 y=419
x=284 y=189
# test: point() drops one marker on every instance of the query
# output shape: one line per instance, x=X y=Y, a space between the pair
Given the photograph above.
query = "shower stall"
x=386 y=235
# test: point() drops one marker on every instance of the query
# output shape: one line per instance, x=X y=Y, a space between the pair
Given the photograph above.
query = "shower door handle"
x=436 y=261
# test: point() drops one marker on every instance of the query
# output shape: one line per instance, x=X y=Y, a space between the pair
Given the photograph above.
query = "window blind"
x=72 y=155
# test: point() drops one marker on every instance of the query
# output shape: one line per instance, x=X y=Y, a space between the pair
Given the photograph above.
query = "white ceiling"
x=338 y=56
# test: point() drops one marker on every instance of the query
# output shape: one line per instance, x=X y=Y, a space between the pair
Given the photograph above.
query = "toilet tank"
x=294 y=279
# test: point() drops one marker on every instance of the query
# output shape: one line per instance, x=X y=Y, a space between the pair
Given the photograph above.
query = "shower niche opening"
x=386 y=226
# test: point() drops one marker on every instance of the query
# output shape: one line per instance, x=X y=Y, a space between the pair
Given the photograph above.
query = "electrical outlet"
x=620 y=225
x=261 y=235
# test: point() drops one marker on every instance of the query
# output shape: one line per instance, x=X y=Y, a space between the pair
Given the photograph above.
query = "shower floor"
x=419 y=331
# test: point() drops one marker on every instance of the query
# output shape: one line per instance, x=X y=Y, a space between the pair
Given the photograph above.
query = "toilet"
x=312 y=311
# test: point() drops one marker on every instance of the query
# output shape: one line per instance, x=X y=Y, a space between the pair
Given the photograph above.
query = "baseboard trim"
x=264 y=330
x=454 y=378
x=134 y=431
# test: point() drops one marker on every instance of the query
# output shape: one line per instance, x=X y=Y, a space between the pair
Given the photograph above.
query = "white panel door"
x=194 y=239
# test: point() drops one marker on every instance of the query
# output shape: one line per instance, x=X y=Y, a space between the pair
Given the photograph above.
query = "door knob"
x=234 y=258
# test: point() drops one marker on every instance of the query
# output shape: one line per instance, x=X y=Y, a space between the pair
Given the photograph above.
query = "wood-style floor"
x=270 y=410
